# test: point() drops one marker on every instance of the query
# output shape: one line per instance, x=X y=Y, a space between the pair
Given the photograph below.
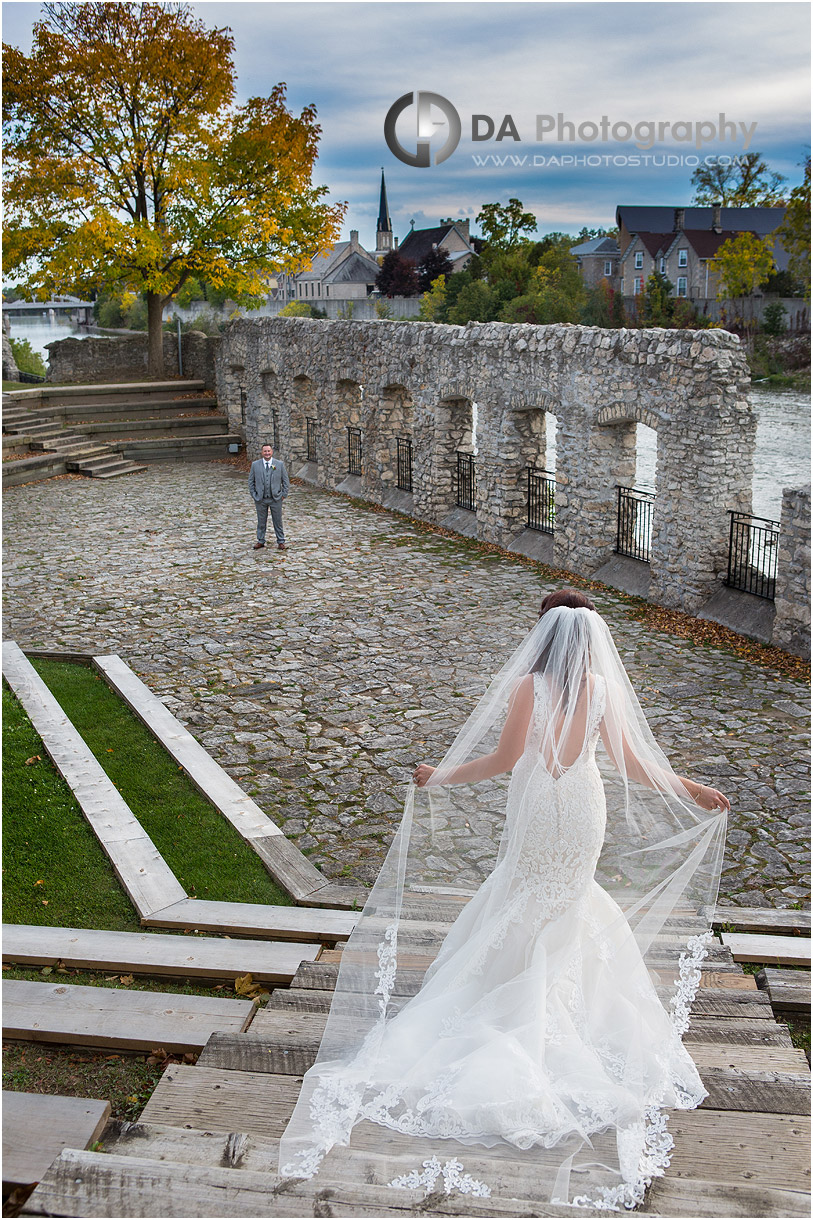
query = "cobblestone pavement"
x=319 y=676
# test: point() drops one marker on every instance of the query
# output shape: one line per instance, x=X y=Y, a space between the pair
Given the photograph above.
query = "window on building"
x=639 y=285
x=663 y=266
x=608 y=267
x=683 y=258
x=639 y=260
x=681 y=286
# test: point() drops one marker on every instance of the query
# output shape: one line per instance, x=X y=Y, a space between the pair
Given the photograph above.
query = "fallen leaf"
x=45 y=902
x=39 y=883
x=126 y=979
x=34 y=758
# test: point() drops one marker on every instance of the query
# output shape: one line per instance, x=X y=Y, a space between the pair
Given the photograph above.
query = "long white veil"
x=658 y=868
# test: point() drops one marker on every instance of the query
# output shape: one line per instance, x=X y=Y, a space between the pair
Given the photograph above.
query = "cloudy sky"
x=630 y=63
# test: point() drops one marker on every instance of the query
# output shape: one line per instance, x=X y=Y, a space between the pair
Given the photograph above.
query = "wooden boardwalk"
x=207 y=1141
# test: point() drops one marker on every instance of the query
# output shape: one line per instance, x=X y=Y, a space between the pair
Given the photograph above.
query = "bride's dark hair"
x=571 y=598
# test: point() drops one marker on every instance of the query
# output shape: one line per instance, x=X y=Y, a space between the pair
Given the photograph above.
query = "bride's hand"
x=422 y=774
x=710 y=798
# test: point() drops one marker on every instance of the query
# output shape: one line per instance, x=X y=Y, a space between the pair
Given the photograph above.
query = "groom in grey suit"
x=268 y=484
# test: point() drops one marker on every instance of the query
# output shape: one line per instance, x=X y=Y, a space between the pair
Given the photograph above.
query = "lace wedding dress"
x=538 y=1025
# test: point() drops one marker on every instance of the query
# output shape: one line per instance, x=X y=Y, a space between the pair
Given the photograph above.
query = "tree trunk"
x=155 y=321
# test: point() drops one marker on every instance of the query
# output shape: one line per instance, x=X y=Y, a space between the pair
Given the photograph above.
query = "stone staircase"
x=110 y=430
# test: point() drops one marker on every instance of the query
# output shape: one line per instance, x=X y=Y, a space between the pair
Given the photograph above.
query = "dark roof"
x=355 y=269
x=417 y=244
x=596 y=245
x=656 y=243
x=706 y=244
x=662 y=220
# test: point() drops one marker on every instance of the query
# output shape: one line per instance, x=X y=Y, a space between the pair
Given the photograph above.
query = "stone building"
x=598 y=259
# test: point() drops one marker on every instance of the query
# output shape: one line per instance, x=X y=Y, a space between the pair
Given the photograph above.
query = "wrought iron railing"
x=310 y=439
x=753 y=548
x=404 y=463
x=634 y=526
x=541 y=500
x=354 y=450
x=465 y=480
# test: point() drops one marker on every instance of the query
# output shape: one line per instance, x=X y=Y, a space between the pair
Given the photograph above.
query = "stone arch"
x=271 y=425
x=235 y=385
x=623 y=412
x=451 y=432
x=347 y=412
x=389 y=418
x=304 y=407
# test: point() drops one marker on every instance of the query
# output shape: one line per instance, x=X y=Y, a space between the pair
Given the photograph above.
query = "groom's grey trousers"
x=262 y=507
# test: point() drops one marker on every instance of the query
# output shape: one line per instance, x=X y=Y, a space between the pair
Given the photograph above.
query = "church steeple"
x=383 y=233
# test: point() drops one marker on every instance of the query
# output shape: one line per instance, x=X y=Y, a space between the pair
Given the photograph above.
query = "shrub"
x=26 y=359
x=773 y=318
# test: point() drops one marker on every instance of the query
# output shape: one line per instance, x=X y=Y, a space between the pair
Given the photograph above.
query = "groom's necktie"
x=267 y=480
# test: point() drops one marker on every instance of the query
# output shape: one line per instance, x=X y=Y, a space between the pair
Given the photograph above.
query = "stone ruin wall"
x=103 y=359
x=430 y=383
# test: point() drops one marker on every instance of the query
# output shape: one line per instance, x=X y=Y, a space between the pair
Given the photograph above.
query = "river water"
x=782 y=457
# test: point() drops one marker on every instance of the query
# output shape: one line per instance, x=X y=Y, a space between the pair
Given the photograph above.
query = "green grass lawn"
x=55 y=871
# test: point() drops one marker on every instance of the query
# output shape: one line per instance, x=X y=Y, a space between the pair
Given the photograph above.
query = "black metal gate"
x=753 y=548
x=310 y=439
x=465 y=480
x=404 y=463
x=354 y=450
x=634 y=527
x=541 y=500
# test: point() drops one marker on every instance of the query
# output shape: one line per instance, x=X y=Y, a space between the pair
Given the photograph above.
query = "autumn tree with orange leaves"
x=128 y=166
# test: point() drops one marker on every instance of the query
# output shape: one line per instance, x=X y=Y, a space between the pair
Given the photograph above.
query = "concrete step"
x=83 y=450
x=40 y=430
x=121 y=468
x=45 y=396
x=61 y=441
x=86 y=465
x=158 y=408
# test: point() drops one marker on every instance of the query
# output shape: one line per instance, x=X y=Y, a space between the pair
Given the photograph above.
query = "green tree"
x=295 y=309
x=773 y=318
x=476 y=302
x=743 y=263
x=129 y=168
x=748 y=184
x=503 y=225
x=794 y=231
x=26 y=359
x=433 y=302
x=659 y=305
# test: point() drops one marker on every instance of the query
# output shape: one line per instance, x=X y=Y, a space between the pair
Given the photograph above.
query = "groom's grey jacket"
x=278 y=484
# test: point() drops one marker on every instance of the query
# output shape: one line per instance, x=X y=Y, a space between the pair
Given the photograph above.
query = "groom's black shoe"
x=281 y=546
x=258 y=546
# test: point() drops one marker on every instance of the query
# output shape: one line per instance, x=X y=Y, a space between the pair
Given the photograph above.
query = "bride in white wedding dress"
x=546 y=1024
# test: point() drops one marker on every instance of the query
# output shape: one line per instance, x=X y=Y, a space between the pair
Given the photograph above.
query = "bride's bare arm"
x=509 y=748
x=624 y=759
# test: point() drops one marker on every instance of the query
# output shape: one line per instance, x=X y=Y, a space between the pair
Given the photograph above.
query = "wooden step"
x=729 y=1146
x=680 y=1197
x=150 y=953
x=788 y=990
x=118 y=1018
x=219 y=1099
x=142 y=870
x=771 y=950
x=762 y=919
x=96 y=1184
x=282 y=859
x=668 y=1196
x=37 y=1126
x=731 y=1030
x=256 y=919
